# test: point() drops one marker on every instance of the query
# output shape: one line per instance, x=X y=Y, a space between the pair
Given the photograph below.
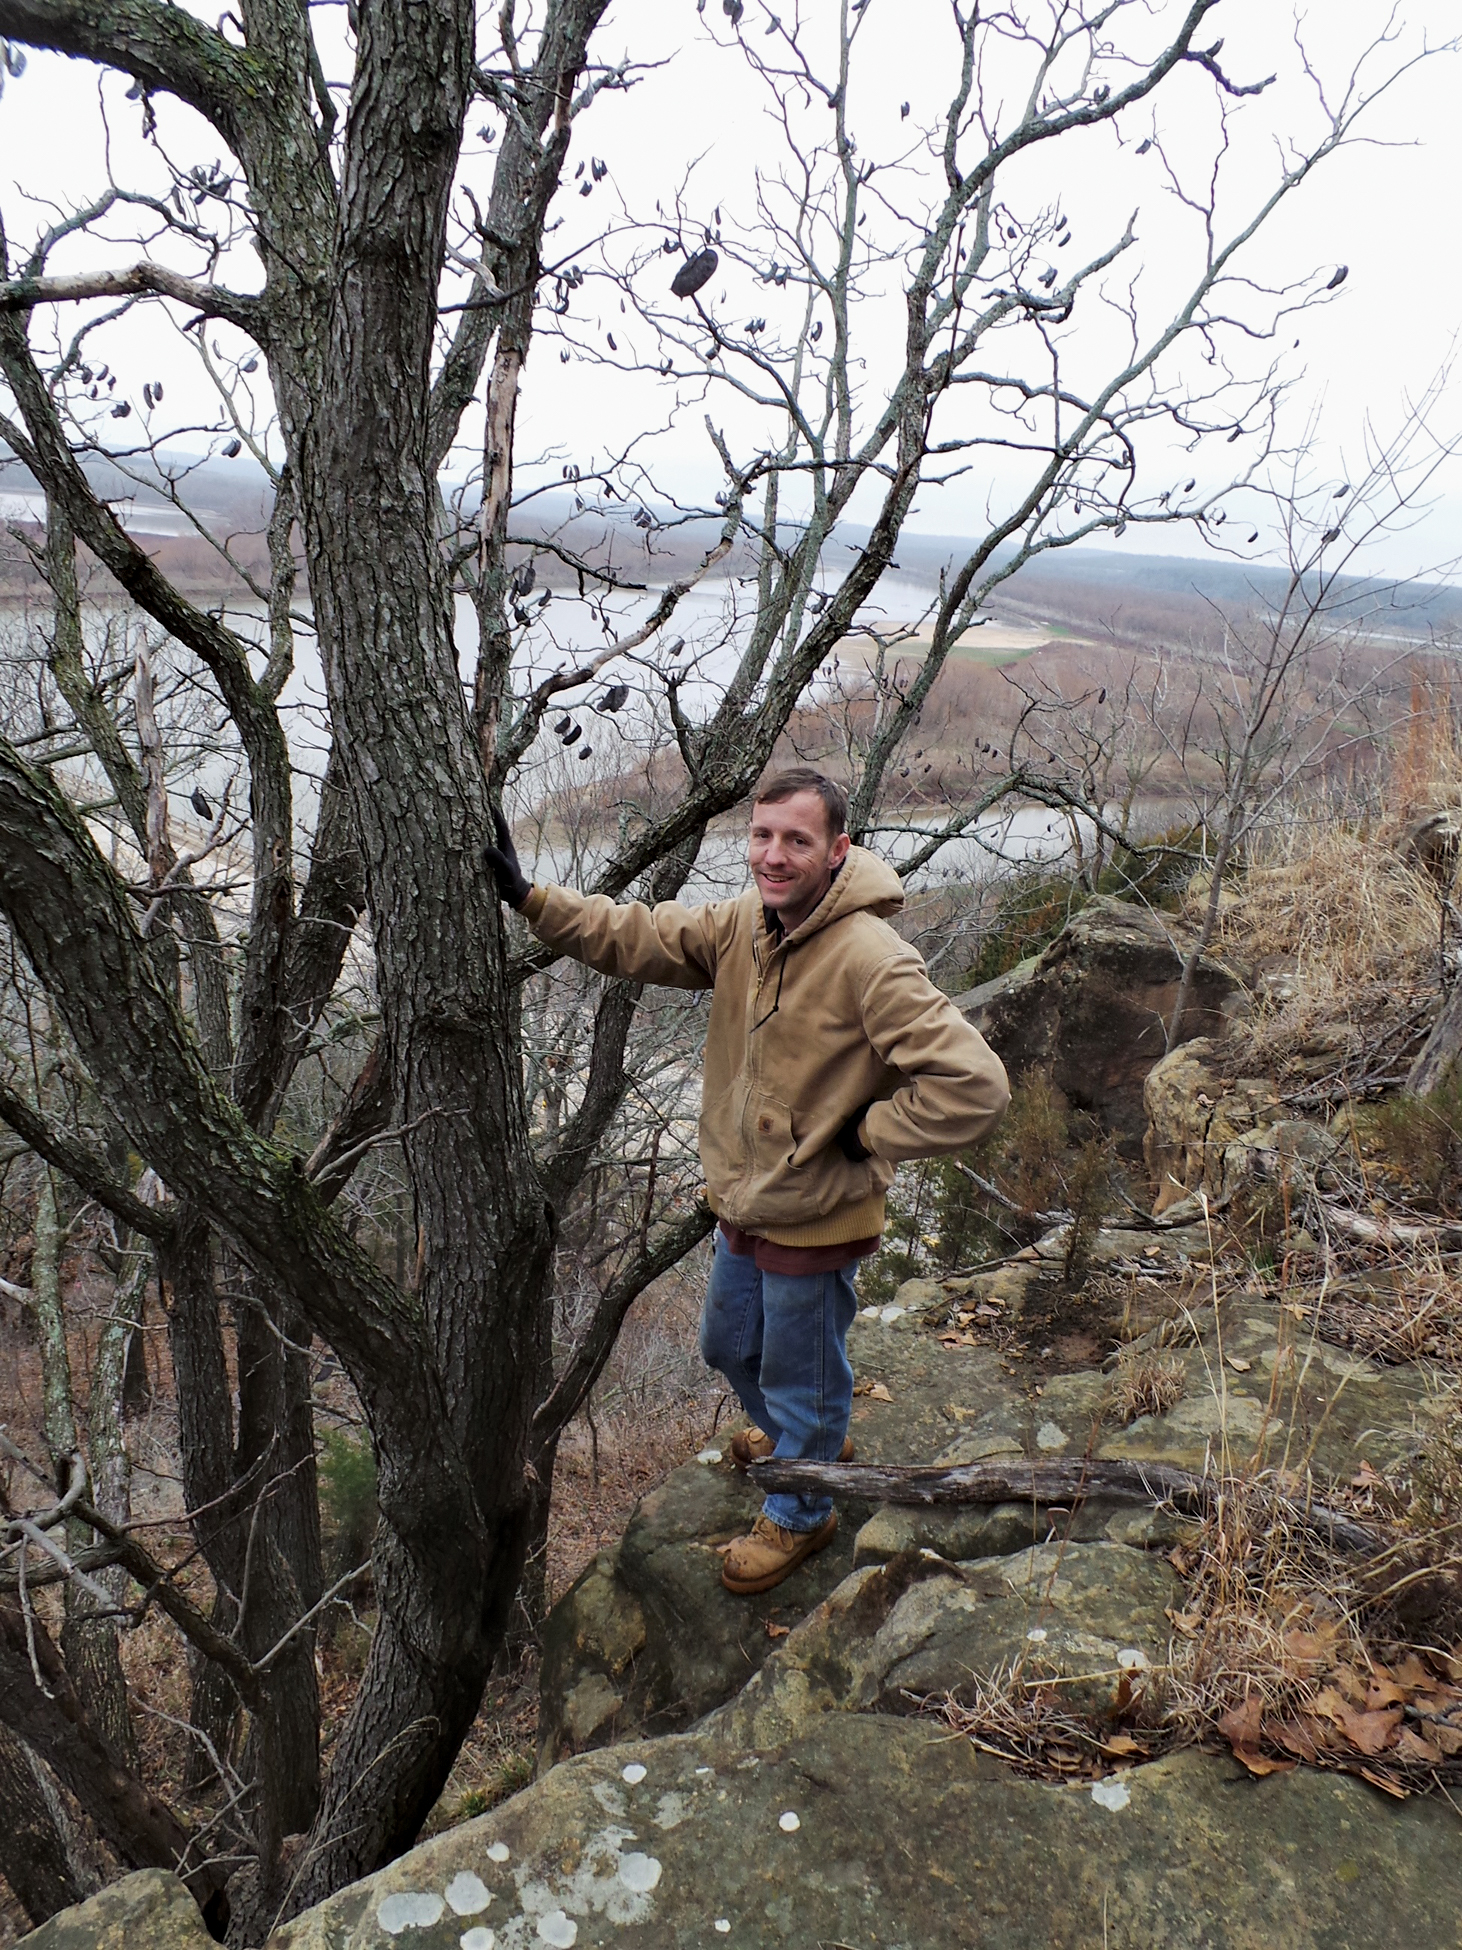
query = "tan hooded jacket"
x=804 y=1030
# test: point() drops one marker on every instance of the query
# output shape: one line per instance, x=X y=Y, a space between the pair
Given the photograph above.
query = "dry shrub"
x=1427 y=1507
x=1414 y=1313
x=1024 y=1723
x=1268 y=1611
x=1029 y=1148
x=1146 y=1382
x=1353 y=929
x=1413 y=1143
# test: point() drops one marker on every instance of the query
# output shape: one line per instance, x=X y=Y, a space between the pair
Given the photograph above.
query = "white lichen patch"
x=477 y=1939
x=888 y=1315
x=1050 y=1435
x=1037 y=1635
x=708 y=1456
x=1112 y=1794
x=789 y=1822
x=1132 y=1659
x=498 y=1852
x=409 y=1909
x=672 y=1810
x=634 y=1773
x=596 y=1886
x=611 y=1799
x=723 y=1924
x=557 y=1930
x=467 y=1894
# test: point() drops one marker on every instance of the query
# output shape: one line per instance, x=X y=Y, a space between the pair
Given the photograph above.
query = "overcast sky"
x=1386 y=208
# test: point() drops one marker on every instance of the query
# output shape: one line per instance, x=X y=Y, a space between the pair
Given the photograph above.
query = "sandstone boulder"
x=1215 y=1133
x=890 y=1834
x=150 y=1910
x=1093 y=1009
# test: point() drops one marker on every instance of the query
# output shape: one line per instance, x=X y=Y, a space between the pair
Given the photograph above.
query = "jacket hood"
x=864 y=884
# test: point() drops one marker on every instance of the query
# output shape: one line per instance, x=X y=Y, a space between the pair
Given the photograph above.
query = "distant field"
x=992 y=646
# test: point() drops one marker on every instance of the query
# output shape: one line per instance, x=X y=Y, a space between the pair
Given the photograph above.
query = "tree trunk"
x=278 y=1548
x=88 y=1642
x=40 y=1855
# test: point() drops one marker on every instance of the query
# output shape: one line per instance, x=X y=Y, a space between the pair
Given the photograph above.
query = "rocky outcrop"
x=150 y=1910
x=1093 y=1008
x=811 y=1789
x=1214 y=1133
x=648 y=1641
x=872 y=1830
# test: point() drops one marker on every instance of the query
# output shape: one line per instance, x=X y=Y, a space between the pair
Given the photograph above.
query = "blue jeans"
x=779 y=1339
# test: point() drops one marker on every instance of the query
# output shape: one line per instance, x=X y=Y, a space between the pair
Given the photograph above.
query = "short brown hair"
x=803 y=778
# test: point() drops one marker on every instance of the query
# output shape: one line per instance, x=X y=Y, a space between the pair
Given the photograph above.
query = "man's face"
x=792 y=855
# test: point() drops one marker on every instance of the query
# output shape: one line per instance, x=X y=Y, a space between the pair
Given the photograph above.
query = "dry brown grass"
x=1146 y=1382
x=1346 y=933
x=1410 y=1312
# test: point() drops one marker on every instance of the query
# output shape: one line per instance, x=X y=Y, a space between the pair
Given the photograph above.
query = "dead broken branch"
x=1062 y=1483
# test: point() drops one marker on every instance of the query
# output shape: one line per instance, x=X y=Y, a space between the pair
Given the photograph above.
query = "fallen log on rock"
x=1061 y=1483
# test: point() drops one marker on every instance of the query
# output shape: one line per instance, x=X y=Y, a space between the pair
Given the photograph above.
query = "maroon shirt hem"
x=772 y=1258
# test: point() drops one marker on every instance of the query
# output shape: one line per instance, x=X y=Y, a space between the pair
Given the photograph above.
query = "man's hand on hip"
x=848 y=1141
x=501 y=861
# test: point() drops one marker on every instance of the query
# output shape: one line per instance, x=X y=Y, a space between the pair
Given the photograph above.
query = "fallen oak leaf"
x=1309 y=1648
x=873 y=1391
x=1368 y=1733
x=1297 y=1739
x=1386 y=1784
x=1121 y=1745
x=1260 y=1765
x=1241 y=1724
x=1415 y=1747
x=775 y=1631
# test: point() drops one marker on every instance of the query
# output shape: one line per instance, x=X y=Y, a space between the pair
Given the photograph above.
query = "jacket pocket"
x=768 y=1136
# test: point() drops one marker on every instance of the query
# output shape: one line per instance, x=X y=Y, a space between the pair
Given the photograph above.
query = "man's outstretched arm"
x=668 y=944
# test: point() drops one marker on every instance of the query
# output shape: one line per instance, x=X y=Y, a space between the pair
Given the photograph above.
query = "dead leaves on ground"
x=1398 y=1726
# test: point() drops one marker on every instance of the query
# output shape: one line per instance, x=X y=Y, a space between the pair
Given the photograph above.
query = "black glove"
x=847 y=1139
x=501 y=861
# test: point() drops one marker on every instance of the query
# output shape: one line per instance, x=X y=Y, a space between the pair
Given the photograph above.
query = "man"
x=830 y=1058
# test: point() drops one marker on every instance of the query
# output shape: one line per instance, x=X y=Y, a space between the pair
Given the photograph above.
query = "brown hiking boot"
x=769 y=1554
x=754 y=1445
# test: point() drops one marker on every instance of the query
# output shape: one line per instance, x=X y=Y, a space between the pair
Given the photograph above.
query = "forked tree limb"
x=24 y=294
x=1060 y=1482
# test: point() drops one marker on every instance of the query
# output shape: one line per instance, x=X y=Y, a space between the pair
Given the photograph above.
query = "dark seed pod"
x=573 y=737
x=199 y=803
x=562 y=726
x=695 y=272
